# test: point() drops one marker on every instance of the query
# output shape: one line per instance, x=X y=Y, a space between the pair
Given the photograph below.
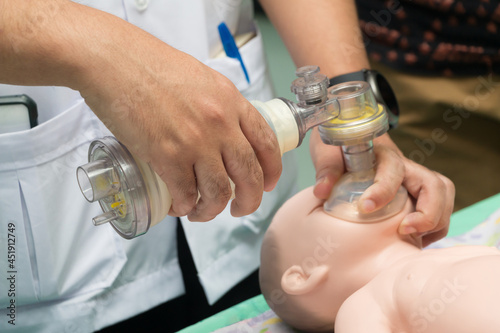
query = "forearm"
x=39 y=43
x=60 y=42
x=326 y=34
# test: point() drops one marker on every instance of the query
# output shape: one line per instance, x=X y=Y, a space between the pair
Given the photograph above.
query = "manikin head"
x=312 y=262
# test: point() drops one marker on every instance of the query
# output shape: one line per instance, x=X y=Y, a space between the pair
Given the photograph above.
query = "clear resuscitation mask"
x=134 y=198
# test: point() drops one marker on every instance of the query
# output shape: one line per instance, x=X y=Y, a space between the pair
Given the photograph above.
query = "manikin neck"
x=395 y=252
x=388 y=245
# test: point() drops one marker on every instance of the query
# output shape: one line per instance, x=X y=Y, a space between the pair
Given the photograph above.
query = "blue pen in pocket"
x=230 y=46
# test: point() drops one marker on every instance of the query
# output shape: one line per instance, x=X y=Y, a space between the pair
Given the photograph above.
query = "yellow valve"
x=119 y=205
x=369 y=112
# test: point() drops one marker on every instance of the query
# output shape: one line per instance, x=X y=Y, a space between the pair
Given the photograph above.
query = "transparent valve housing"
x=132 y=196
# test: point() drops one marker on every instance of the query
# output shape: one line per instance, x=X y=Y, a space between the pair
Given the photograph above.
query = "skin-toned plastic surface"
x=319 y=273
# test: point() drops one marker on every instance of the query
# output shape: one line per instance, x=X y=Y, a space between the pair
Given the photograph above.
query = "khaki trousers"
x=452 y=126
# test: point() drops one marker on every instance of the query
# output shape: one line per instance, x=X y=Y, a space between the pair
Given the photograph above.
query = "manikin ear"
x=295 y=281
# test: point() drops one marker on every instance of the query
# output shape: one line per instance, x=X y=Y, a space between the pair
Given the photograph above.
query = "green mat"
x=467 y=218
x=461 y=222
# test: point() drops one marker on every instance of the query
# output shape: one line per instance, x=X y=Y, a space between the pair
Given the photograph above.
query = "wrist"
x=385 y=140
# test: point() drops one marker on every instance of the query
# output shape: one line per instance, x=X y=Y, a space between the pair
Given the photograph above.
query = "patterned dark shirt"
x=435 y=37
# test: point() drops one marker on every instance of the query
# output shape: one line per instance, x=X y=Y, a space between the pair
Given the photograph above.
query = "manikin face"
x=312 y=261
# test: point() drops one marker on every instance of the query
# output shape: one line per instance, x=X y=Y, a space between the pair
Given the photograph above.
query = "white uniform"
x=69 y=276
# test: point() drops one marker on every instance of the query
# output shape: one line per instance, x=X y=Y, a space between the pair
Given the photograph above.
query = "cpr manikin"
x=320 y=273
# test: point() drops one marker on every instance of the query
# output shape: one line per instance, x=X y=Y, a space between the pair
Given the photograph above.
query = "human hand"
x=185 y=119
x=433 y=192
x=188 y=121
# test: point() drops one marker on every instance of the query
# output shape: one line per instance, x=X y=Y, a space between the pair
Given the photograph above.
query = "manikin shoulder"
x=442 y=290
x=364 y=312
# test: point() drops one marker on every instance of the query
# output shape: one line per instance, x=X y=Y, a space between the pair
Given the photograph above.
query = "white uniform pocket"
x=59 y=253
